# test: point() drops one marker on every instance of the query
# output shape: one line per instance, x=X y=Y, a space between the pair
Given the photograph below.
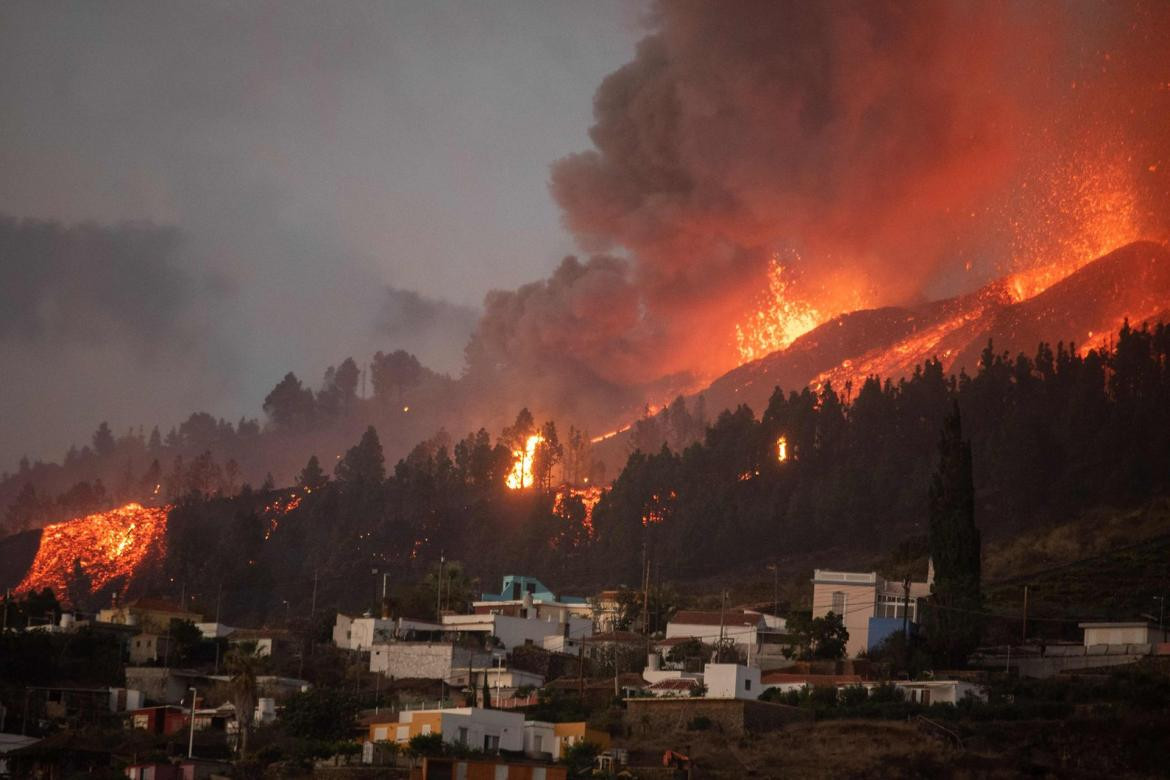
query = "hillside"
x=1132 y=282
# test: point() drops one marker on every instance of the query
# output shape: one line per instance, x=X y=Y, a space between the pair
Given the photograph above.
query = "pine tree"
x=312 y=476
x=364 y=465
x=956 y=599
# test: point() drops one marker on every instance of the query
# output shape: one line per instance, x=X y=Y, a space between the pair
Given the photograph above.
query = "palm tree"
x=242 y=663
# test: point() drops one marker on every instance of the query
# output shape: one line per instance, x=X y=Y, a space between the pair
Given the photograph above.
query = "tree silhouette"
x=956 y=600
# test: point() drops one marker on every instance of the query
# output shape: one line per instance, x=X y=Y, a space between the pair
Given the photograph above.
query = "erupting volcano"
x=110 y=547
x=1086 y=307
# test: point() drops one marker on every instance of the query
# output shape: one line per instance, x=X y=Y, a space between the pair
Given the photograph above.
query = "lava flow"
x=110 y=546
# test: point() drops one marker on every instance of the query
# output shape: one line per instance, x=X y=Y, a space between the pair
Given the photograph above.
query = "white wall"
x=1122 y=635
x=548 y=738
x=516 y=631
x=745 y=637
x=732 y=681
x=507 y=726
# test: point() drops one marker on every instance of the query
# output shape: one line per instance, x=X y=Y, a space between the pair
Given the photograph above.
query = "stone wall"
x=423 y=660
x=653 y=717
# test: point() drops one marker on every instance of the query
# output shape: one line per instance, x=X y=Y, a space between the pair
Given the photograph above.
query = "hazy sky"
x=319 y=162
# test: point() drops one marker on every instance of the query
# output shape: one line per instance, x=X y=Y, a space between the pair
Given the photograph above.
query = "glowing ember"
x=658 y=509
x=1088 y=208
x=782 y=449
x=589 y=497
x=520 y=476
x=779 y=320
x=110 y=545
x=278 y=509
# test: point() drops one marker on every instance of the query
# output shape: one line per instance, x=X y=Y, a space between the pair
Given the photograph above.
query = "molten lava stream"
x=110 y=546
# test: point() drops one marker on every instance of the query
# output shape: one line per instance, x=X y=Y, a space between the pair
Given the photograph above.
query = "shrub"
x=853 y=695
x=700 y=723
x=427 y=745
x=823 y=697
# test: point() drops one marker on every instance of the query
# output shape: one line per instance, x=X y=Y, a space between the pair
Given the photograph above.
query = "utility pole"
x=581 y=670
x=313 y=608
x=1024 y=627
x=906 y=621
x=775 y=567
x=722 y=609
x=218 y=598
x=646 y=593
x=439 y=590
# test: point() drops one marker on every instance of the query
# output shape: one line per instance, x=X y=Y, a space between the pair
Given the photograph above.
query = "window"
x=426 y=728
x=838 y=602
x=462 y=735
x=747 y=685
x=491 y=744
x=538 y=743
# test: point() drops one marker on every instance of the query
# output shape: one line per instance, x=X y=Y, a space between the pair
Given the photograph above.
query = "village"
x=527 y=684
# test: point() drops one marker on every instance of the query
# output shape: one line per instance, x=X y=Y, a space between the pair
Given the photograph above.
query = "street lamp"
x=191 y=734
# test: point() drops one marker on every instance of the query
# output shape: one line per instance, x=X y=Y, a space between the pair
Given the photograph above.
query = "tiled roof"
x=675 y=684
x=615 y=636
x=813 y=680
x=695 y=617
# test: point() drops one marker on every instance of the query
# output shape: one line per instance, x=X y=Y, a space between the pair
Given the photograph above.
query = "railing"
x=941 y=729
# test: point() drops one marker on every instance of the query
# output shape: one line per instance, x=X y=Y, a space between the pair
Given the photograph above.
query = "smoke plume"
x=892 y=151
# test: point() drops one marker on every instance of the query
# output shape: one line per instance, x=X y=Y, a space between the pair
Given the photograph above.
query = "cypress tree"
x=956 y=600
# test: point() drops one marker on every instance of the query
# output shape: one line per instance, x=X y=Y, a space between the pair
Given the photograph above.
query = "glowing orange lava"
x=110 y=545
x=782 y=449
x=780 y=319
x=520 y=476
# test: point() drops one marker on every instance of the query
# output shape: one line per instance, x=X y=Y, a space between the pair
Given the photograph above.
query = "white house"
x=480 y=729
x=361 y=633
x=267 y=641
x=870 y=606
x=741 y=626
x=511 y=631
x=214 y=630
x=502 y=681
x=787 y=681
x=1133 y=633
x=732 y=681
x=938 y=691
x=550 y=740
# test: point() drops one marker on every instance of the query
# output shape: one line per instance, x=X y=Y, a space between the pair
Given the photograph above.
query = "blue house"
x=516 y=586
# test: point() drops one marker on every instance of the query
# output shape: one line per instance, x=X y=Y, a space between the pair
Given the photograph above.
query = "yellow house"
x=150 y=615
x=553 y=739
x=477 y=728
